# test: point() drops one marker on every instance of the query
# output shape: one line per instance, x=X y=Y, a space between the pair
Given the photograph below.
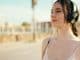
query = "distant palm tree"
x=34 y=2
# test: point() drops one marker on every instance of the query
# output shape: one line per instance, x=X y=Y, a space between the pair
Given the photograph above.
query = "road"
x=20 y=51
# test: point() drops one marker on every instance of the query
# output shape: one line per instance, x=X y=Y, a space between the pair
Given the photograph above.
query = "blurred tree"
x=25 y=24
x=34 y=2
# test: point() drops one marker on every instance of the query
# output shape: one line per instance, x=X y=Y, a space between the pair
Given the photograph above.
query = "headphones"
x=73 y=13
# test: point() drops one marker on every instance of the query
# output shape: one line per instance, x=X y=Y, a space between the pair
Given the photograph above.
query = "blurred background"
x=24 y=20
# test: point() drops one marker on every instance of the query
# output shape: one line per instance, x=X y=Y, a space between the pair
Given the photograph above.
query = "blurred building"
x=11 y=32
x=23 y=32
x=43 y=27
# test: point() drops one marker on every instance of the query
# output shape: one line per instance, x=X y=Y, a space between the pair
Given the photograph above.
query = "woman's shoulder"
x=46 y=41
x=77 y=52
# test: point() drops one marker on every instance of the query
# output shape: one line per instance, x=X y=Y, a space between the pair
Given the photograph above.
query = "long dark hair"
x=72 y=14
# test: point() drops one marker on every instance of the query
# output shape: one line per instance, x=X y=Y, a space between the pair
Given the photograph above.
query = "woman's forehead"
x=57 y=5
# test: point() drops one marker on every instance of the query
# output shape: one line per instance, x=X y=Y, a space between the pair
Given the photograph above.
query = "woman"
x=64 y=44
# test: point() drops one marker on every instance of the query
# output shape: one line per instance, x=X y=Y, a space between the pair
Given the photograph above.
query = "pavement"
x=20 y=51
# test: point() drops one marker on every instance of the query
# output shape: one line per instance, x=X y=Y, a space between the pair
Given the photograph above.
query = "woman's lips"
x=54 y=20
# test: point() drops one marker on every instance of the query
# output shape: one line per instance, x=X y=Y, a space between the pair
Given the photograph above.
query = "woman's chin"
x=55 y=25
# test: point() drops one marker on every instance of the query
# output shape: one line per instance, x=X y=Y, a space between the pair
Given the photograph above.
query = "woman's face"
x=57 y=15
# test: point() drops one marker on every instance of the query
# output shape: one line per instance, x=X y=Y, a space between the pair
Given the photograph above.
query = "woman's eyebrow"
x=55 y=9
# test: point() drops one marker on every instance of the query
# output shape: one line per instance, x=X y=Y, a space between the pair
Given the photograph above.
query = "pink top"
x=71 y=57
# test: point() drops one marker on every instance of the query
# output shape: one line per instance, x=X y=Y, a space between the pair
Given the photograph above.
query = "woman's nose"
x=53 y=15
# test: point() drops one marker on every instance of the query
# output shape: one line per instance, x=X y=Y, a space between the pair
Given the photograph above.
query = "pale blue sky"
x=17 y=11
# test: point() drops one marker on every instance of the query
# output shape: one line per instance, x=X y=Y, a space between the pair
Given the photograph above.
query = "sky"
x=18 y=11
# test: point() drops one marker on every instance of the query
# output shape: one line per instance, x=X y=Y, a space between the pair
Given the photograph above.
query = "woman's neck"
x=64 y=33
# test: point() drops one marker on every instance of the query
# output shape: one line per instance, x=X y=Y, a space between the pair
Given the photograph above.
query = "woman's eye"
x=57 y=11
